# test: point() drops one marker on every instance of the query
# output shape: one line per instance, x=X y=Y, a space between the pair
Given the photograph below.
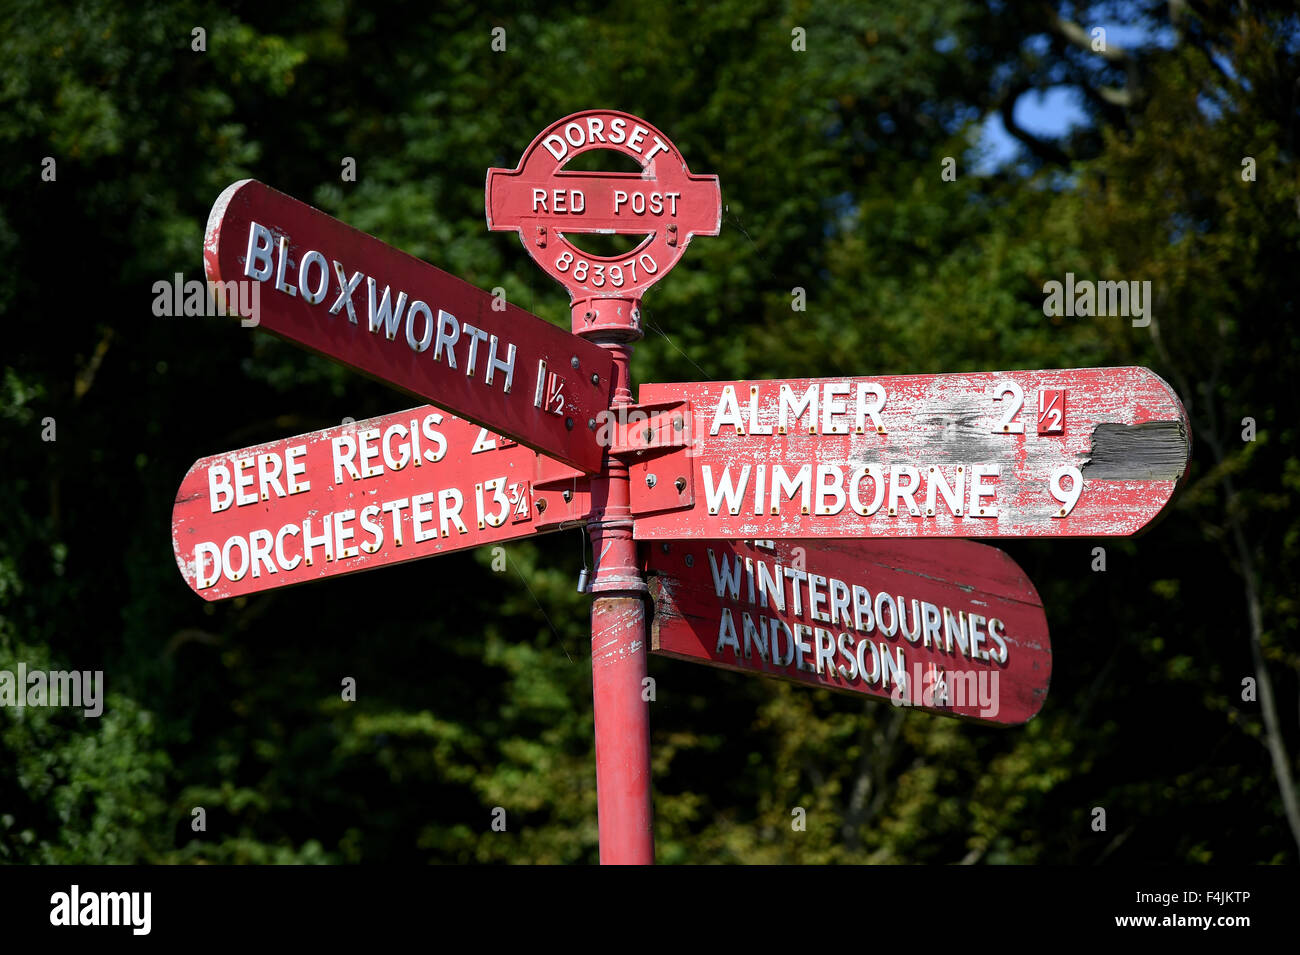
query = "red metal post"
x=546 y=203
x=618 y=636
x=618 y=667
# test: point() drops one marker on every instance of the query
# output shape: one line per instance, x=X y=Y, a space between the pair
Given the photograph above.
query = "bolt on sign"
x=1090 y=452
x=953 y=627
x=346 y=295
x=347 y=499
x=665 y=202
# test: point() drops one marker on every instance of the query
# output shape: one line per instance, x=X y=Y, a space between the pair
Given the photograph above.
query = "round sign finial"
x=665 y=202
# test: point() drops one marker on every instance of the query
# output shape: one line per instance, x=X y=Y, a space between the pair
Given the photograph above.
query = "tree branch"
x=1267 y=703
x=1273 y=739
x=1077 y=36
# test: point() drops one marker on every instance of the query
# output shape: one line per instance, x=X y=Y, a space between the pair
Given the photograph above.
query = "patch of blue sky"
x=1049 y=114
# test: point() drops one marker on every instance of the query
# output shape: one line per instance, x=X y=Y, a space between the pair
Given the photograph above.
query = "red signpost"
x=1095 y=452
x=346 y=295
x=668 y=204
x=952 y=626
x=962 y=455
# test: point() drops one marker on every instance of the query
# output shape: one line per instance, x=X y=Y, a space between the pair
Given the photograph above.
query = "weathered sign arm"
x=954 y=627
x=350 y=498
x=349 y=297
x=1090 y=452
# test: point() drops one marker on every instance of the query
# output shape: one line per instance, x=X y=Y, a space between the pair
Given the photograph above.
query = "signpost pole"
x=618 y=645
x=667 y=204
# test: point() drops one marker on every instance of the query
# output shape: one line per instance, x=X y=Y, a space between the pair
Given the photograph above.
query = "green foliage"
x=473 y=686
x=79 y=789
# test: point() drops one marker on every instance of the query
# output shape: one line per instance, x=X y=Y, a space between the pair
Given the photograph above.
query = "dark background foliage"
x=474 y=686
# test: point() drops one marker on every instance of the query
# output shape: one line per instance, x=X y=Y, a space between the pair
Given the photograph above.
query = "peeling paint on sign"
x=347 y=499
x=1153 y=451
x=953 y=627
x=989 y=454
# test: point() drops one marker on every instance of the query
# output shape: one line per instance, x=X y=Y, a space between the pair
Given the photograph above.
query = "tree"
x=473 y=686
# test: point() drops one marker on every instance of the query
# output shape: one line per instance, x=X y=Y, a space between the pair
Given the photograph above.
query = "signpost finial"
x=545 y=204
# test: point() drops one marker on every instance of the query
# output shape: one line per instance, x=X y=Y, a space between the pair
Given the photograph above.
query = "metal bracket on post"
x=654 y=441
x=593 y=317
x=561 y=495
